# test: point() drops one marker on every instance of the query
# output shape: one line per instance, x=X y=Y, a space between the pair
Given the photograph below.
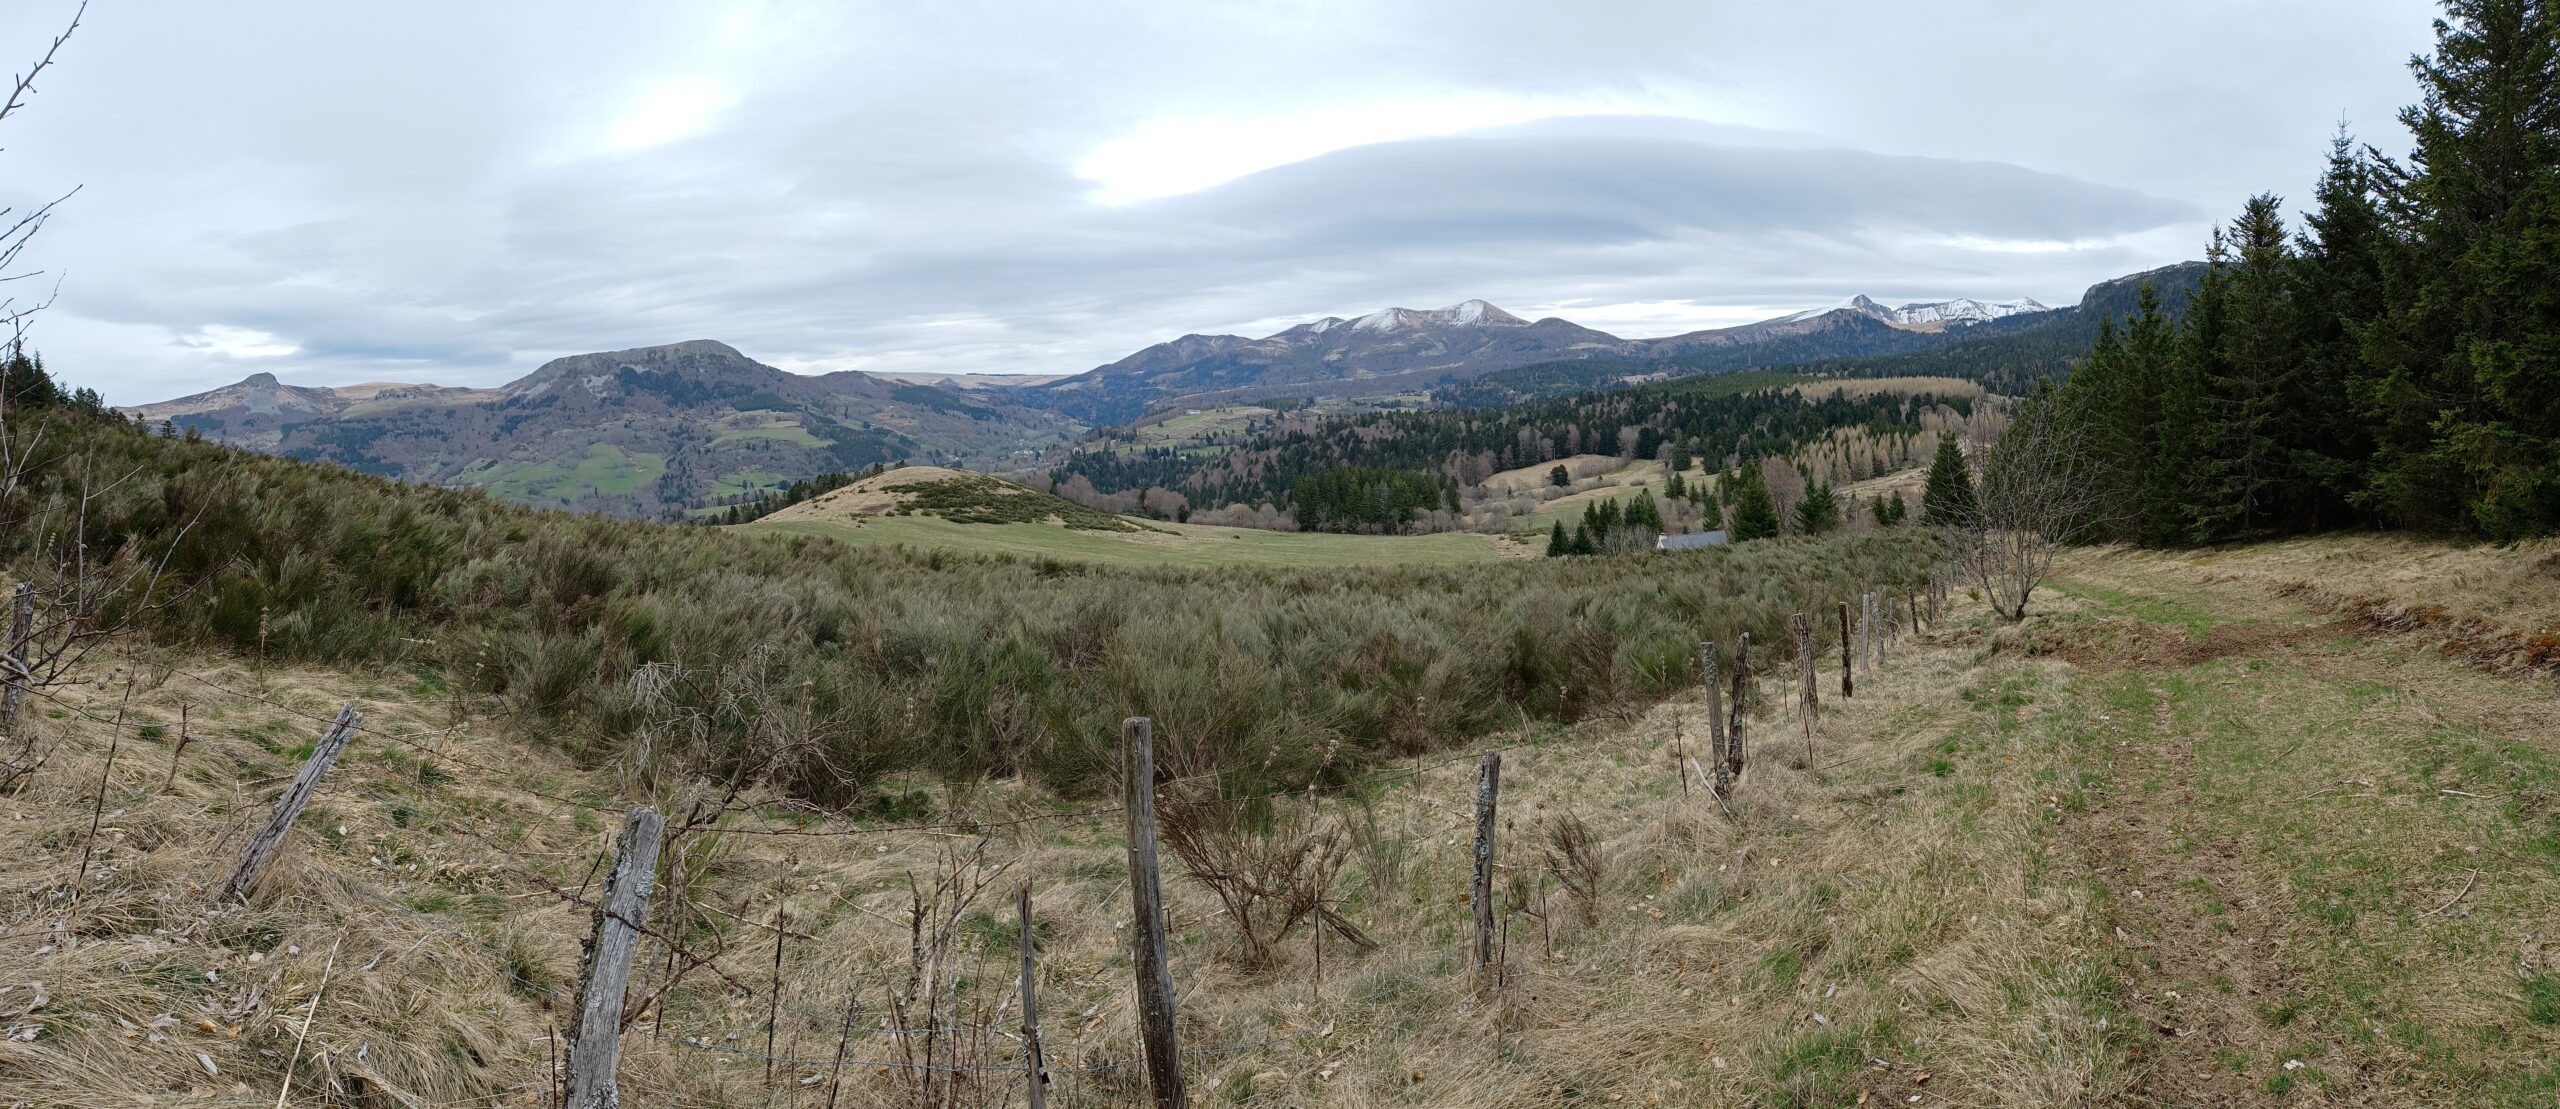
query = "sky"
x=338 y=193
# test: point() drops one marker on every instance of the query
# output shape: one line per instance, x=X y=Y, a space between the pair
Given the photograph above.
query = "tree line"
x=2392 y=362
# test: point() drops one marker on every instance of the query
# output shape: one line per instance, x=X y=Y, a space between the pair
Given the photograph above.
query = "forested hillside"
x=2394 y=361
x=1716 y=420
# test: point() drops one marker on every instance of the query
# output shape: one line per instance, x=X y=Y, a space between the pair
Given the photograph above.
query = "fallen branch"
x=2457 y=896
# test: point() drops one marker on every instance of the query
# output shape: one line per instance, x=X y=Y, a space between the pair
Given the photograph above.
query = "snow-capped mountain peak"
x=1927 y=313
x=1472 y=313
x=1964 y=310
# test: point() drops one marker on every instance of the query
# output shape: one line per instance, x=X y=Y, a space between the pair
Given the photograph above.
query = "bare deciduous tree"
x=2032 y=496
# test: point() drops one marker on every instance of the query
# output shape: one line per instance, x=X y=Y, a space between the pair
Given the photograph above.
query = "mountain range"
x=1404 y=350
x=657 y=431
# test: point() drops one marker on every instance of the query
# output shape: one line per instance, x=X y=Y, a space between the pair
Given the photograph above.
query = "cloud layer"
x=335 y=193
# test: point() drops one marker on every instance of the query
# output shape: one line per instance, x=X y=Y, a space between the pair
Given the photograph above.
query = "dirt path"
x=2203 y=926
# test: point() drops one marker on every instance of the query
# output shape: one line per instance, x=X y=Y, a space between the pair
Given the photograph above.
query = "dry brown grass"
x=1853 y=926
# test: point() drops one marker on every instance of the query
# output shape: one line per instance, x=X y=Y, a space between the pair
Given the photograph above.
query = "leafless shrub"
x=2033 y=496
x=945 y=1033
x=1574 y=856
x=1272 y=866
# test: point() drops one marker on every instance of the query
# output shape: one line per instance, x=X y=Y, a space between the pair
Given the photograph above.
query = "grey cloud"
x=424 y=193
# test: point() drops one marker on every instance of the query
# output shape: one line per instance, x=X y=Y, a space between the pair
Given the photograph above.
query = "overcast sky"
x=341 y=192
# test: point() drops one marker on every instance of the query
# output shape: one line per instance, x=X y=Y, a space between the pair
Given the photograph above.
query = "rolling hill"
x=928 y=508
x=640 y=432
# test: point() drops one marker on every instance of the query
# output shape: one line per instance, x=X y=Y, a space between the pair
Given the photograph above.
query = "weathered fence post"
x=1035 y=1068
x=1867 y=631
x=1733 y=734
x=1811 y=707
x=1488 y=798
x=595 y=1044
x=261 y=848
x=1152 y=962
x=1848 y=682
x=1715 y=720
x=22 y=626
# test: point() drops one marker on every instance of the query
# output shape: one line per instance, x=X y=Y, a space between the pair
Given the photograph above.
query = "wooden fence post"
x=261 y=848
x=1151 y=961
x=1715 y=719
x=1035 y=1068
x=1848 y=682
x=1488 y=797
x=22 y=626
x=1811 y=706
x=595 y=1044
x=1733 y=735
x=1867 y=631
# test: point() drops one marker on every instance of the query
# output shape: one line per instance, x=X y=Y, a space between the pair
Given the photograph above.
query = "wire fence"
x=791 y=821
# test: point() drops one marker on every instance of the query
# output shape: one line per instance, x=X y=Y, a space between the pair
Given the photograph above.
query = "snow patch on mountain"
x=1473 y=313
x=1964 y=310
x=1925 y=313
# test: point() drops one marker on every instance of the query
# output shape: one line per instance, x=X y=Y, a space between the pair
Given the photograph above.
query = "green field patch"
x=791 y=433
x=605 y=470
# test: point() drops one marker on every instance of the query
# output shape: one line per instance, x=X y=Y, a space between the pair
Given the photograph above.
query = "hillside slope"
x=2179 y=840
x=636 y=432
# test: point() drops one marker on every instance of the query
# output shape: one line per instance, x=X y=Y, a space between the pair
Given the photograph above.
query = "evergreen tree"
x=2247 y=435
x=23 y=382
x=1948 y=500
x=1819 y=512
x=1559 y=477
x=2340 y=284
x=2463 y=380
x=1583 y=543
x=1557 y=544
x=1755 y=516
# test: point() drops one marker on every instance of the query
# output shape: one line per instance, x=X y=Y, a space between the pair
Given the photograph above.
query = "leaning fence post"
x=595 y=1044
x=1035 y=1068
x=1152 y=962
x=261 y=849
x=1733 y=734
x=22 y=626
x=1488 y=795
x=1715 y=720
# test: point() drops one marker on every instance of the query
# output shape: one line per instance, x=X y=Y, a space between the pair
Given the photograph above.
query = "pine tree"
x=1819 y=512
x=1755 y=516
x=1557 y=545
x=2245 y=435
x=1948 y=500
x=1583 y=543
x=1559 y=477
x=2341 y=285
x=2464 y=369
